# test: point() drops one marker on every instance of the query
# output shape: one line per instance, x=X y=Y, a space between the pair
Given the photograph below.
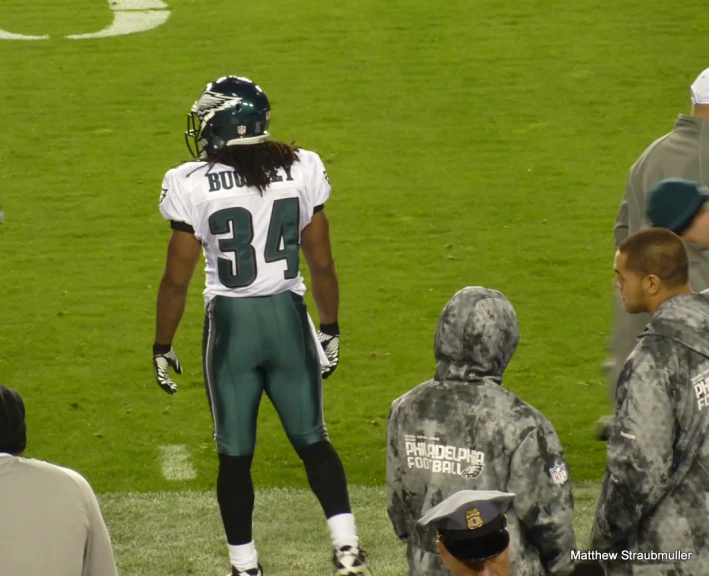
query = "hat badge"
x=473 y=519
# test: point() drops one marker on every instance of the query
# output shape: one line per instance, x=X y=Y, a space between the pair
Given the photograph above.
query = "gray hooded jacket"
x=655 y=495
x=462 y=430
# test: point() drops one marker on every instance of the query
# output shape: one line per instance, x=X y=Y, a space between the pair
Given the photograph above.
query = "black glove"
x=329 y=336
x=163 y=357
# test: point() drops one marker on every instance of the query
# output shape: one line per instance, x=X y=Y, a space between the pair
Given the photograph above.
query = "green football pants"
x=256 y=345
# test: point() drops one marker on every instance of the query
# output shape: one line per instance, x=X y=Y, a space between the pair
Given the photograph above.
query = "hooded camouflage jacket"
x=462 y=430
x=655 y=495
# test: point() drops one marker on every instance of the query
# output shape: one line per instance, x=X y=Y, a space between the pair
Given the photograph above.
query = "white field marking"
x=137 y=5
x=175 y=463
x=5 y=35
x=131 y=17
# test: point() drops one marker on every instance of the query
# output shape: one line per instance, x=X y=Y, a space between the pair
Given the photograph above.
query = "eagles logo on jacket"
x=462 y=430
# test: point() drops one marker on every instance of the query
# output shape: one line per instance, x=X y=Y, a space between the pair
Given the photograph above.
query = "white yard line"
x=175 y=463
x=137 y=5
x=5 y=35
x=129 y=17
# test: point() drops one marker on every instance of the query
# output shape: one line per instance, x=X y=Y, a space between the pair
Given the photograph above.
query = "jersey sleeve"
x=319 y=185
x=175 y=206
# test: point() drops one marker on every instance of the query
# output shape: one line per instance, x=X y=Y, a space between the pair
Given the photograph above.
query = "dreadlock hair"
x=257 y=163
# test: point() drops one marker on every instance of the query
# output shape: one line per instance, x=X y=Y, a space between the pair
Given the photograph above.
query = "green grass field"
x=191 y=542
x=468 y=143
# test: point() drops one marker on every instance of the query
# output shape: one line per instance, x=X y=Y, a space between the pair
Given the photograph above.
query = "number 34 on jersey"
x=282 y=242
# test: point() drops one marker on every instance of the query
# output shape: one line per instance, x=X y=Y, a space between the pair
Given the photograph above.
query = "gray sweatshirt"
x=50 y=522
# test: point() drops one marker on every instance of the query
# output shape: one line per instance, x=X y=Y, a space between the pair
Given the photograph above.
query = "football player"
x=251 y=203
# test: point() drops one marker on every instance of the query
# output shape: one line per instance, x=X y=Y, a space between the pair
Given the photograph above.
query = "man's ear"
x=652 y=284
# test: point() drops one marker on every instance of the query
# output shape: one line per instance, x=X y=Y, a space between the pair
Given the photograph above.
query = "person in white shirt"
x=50 y=520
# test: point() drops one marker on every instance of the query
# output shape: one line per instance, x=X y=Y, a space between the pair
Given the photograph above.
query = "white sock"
x=243 y=557
x=343 y=531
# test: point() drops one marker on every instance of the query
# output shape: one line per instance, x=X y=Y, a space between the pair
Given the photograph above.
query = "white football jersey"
x=251 y=240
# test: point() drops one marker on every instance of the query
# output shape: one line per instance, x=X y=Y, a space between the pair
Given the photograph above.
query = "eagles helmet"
x=231 y=111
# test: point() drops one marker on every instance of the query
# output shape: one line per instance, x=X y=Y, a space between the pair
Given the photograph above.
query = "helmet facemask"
x=193 y=136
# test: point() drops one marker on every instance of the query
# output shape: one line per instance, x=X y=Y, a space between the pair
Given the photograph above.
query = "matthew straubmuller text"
x=626 y=555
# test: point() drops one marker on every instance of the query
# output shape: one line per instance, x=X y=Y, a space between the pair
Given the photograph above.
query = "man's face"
x=497 y=566
x=698 y=231
x=630 y=285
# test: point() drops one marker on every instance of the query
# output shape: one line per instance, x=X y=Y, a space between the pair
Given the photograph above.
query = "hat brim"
x=478 y=549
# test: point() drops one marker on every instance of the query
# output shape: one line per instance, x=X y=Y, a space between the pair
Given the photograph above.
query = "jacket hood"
x=477 y=335
x=684 y=319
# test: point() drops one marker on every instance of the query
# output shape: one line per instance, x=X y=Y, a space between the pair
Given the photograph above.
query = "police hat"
x=472 y=523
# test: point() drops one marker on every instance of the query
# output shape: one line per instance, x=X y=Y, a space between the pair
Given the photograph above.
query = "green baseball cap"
x=673 y=203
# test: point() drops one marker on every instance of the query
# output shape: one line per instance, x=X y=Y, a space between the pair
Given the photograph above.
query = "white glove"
x=330 y=342
x=162 y=360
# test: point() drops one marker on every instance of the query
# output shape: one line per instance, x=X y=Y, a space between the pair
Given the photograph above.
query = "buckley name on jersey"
x=227 y=179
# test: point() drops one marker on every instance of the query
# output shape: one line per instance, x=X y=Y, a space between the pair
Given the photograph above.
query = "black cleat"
x=252 y=572
x=350 y=561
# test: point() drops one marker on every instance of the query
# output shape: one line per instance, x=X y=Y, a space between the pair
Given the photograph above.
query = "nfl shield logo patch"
x=559 y=474
x=241 y=130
